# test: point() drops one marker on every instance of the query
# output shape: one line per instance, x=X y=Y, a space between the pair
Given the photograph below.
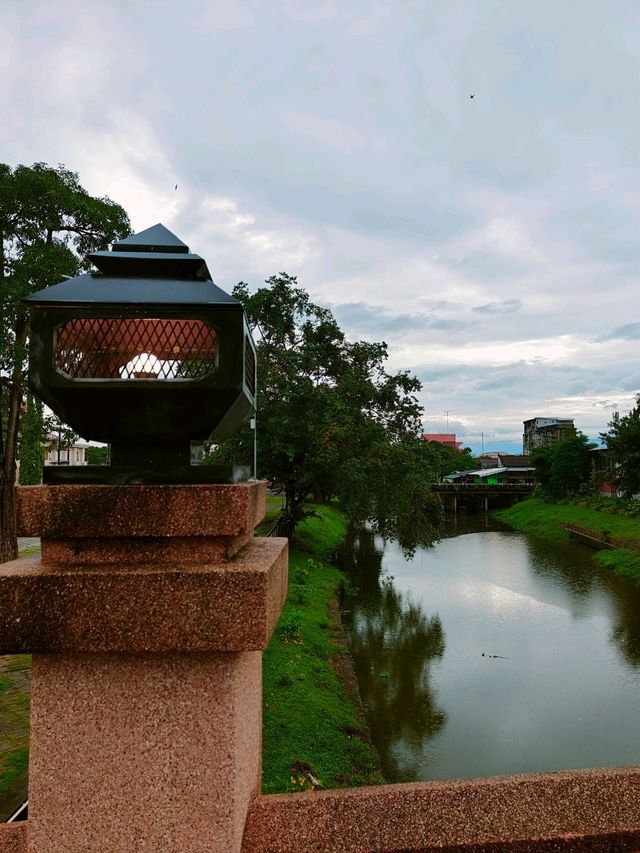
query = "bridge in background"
x=481 y=496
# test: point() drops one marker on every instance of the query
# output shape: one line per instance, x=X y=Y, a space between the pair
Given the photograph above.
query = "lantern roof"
x=153 y=267
x=154 y=239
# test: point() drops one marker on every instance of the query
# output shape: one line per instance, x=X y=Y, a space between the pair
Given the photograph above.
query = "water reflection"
x=571 y=568
x=541 y=665
x=393 y=644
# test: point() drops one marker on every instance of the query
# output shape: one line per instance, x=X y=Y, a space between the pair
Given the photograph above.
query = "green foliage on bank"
x=548 y=519
x=322 y=532
x=14 y=725
x=623 y=442
x=606 y=518
x=313 y=735
x=623 y=561
x=563 y=468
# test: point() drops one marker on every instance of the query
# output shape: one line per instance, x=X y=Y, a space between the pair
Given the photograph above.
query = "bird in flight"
x=176 y=186
x=472 y=96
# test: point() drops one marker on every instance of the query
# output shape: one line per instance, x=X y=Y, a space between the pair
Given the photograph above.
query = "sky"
x=491 y=241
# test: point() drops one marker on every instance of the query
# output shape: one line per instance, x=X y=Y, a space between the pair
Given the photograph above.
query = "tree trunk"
x=8 y=527
x=8 y=530
x=293 y=508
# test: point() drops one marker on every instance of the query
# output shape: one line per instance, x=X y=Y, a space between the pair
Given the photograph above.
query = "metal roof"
x=488 y=472
x=154 y=239
x=153 y=267
x=96 y=288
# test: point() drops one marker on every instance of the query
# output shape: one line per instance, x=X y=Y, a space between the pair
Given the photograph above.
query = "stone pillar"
x=146 y=615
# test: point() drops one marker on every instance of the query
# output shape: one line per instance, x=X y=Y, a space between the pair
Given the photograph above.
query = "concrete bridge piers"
x=480 y=498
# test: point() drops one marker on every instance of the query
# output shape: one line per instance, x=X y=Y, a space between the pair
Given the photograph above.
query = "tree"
x=447 y=460
x=48 y=224
x=31 y=452
x=623 y=442
x=332 y=422
x=59 y=438
x=97 y=455
x=563 y=467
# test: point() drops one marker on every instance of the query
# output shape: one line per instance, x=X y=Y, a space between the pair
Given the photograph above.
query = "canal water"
x=491 y=653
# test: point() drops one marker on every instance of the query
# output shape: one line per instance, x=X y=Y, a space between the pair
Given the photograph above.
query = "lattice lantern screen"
x=135 y=348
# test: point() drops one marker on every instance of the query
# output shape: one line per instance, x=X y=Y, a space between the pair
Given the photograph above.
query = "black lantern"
x=148 y=355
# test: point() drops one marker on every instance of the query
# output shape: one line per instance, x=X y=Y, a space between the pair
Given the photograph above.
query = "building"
x=508 y=471
x=446 y=438
x=498 y=459
x=539 y=432
x=63 y=454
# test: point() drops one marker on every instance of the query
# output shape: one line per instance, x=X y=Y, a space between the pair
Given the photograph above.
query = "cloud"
x=326 y=131
x=628 y=332
x=507 y=306
x=490 y=241
x=363 y=318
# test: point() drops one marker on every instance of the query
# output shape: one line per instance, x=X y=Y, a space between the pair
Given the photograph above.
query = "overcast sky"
x=491 y=240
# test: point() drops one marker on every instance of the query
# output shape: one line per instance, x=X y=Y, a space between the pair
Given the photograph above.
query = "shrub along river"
x=493 y=652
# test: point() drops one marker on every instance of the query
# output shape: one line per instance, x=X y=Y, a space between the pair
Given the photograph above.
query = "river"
x=492 y=653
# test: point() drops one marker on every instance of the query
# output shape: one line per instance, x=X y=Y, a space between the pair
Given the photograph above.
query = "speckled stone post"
x=147 y=616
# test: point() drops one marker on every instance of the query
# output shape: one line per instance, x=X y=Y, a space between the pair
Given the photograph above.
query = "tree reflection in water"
x=573 y=566
x=393 y=644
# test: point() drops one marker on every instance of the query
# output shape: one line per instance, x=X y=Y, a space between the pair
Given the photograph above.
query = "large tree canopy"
x=48 y=224
x=623 y=442
x=331 y=421
x=563 y=468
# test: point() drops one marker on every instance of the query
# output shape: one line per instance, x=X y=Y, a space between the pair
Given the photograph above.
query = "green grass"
x=312 y=730
x=548 y=520
x=622 y=561
x=14 y=725
x=18 y=663
x=30 y=551
x=322 y=532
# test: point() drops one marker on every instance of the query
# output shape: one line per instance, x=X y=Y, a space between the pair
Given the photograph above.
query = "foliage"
x=331 y=421
x=623 y=442
x=48 y=224
x=623 y=561
x=394 y=646
x=446 y=460
x=31 y=443
x=59 y=437
x=14 y=731
x=97 y=455
x=312 y=729
x=322 y=531
x=563 y=467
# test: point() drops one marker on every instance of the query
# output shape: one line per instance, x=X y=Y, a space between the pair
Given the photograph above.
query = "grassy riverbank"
x=14 y=729
x=313 y=732
x=548 y=519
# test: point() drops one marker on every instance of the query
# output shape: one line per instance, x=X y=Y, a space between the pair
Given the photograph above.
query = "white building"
x=74 y=454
